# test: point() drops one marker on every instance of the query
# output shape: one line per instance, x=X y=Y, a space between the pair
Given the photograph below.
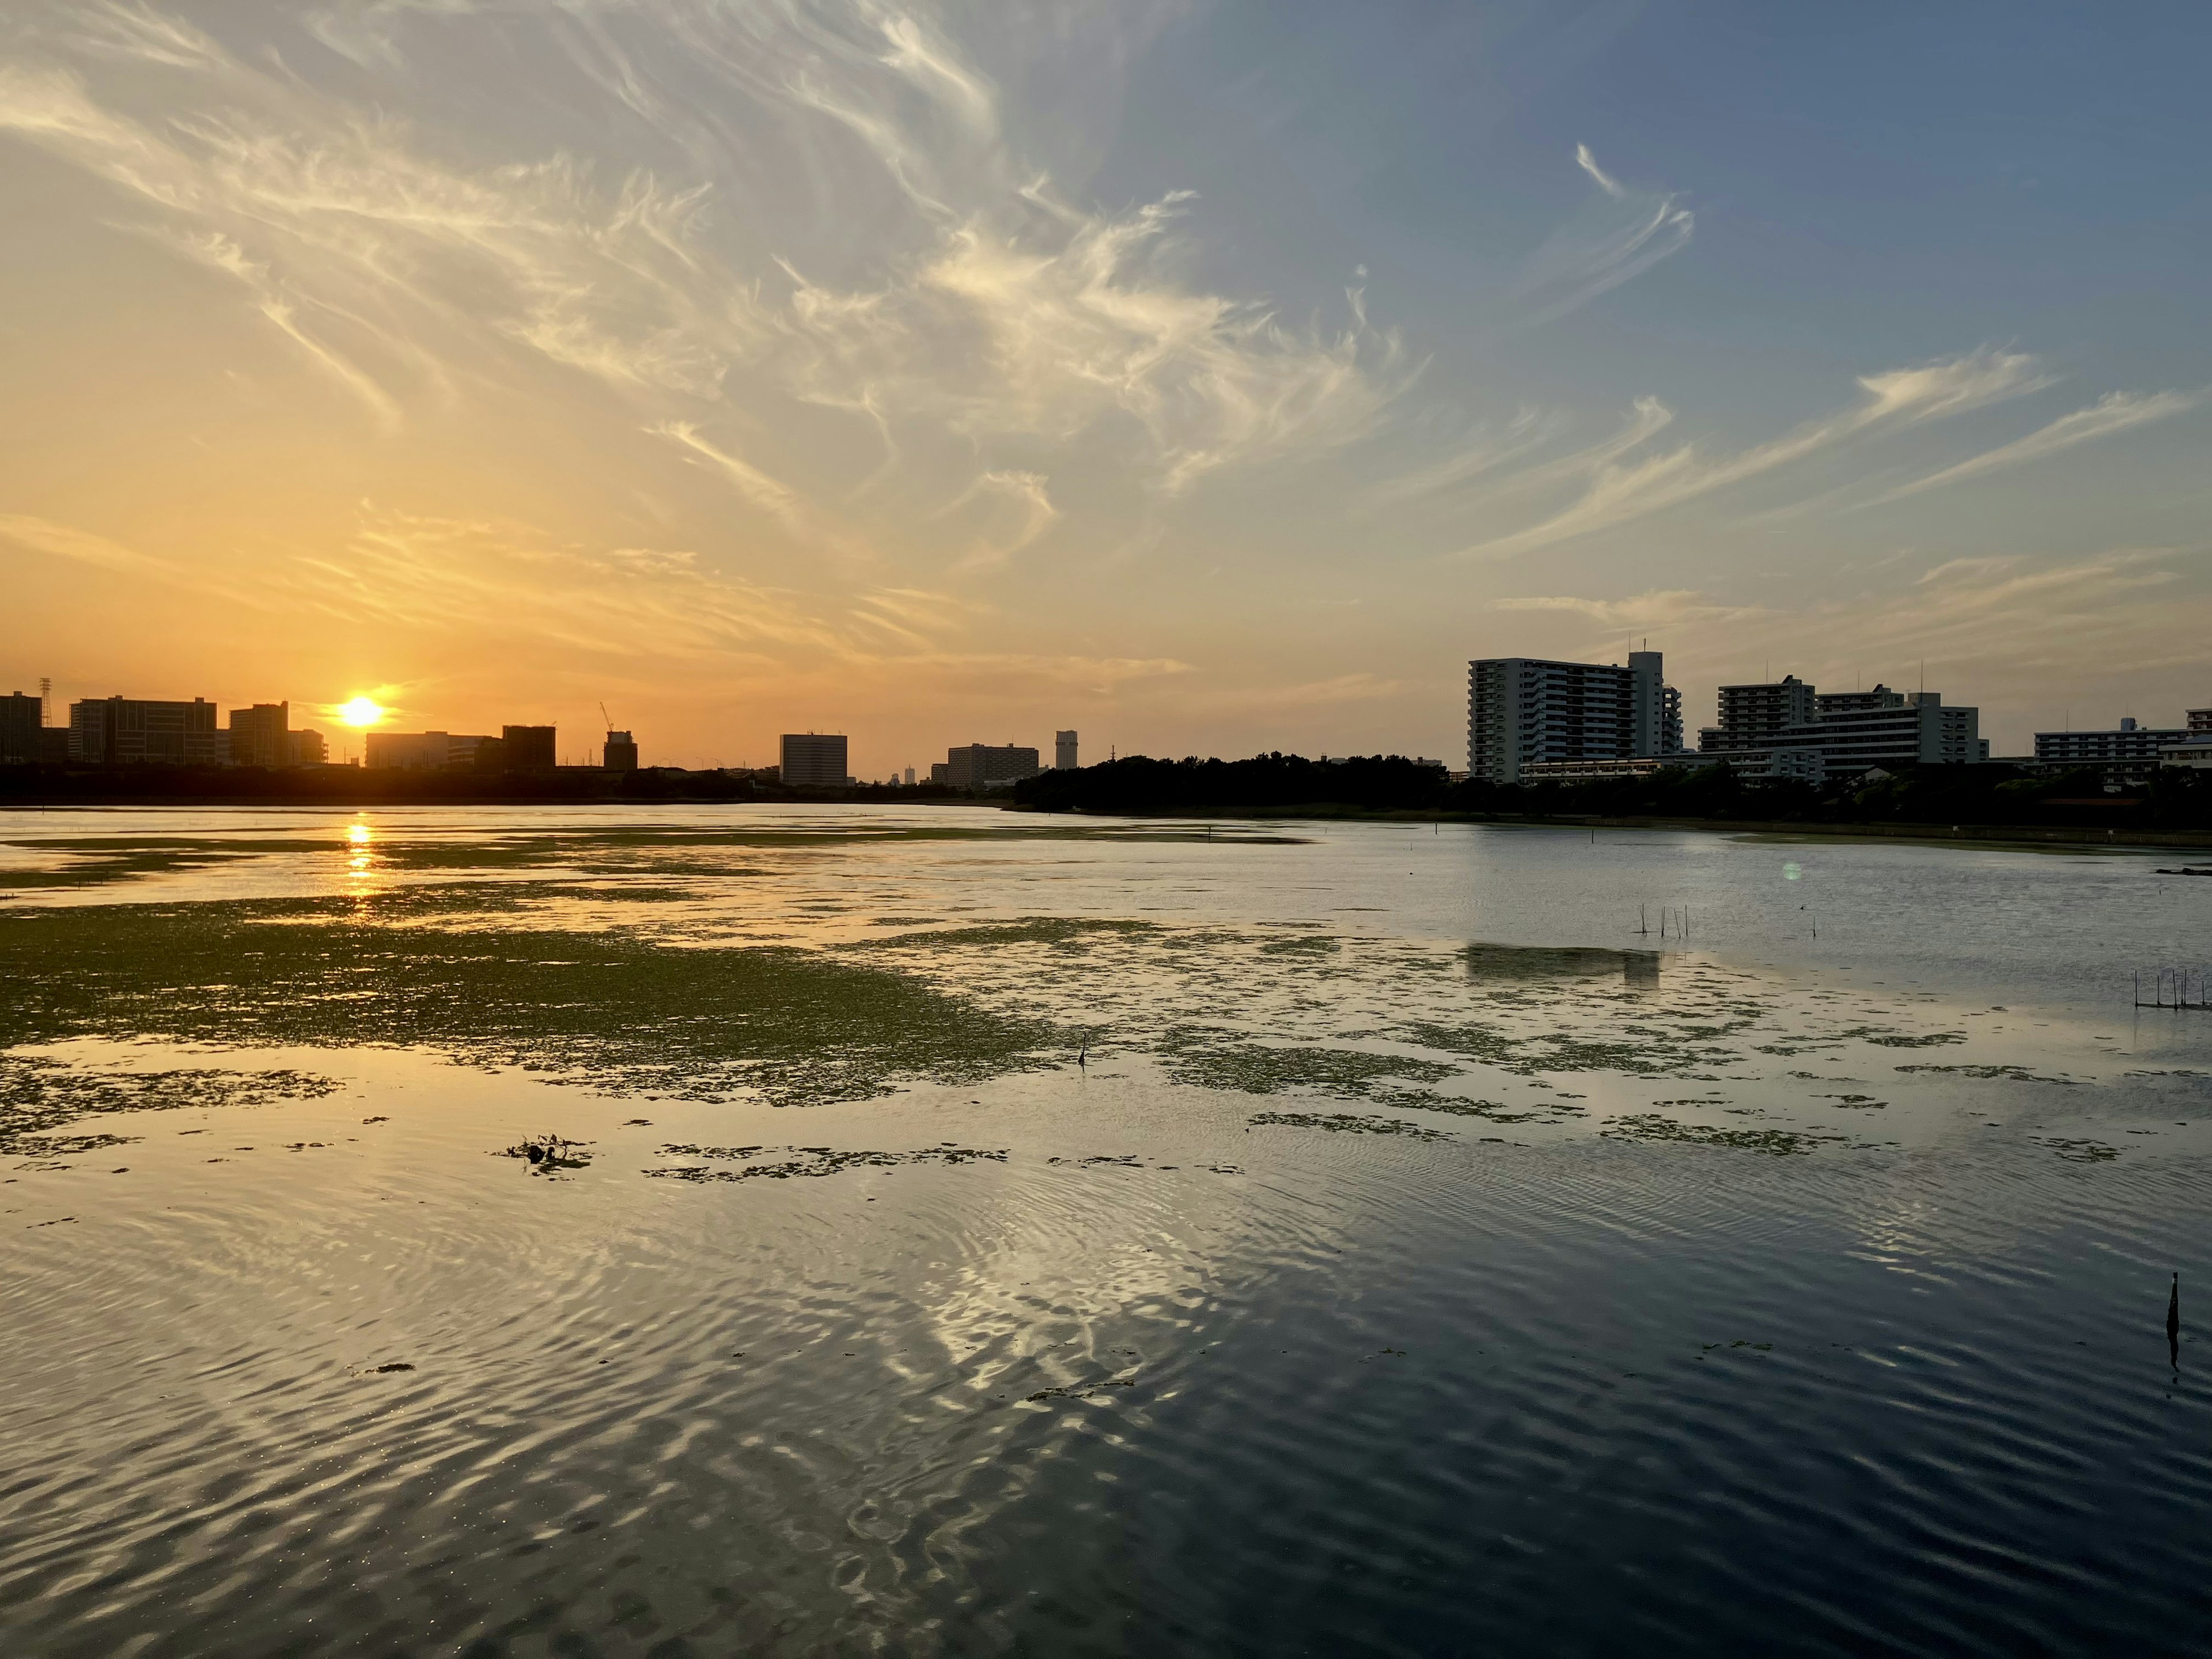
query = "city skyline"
x=1213 y=378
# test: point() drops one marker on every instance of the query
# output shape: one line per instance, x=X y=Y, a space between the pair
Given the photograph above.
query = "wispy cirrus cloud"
x=1656 y=608
x=1620 y=233
x=2114 y=413
x=1619 y=490
x=1023 y=513
x=1000 y=311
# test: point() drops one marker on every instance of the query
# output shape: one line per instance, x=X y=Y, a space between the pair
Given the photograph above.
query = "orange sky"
x=842 y=367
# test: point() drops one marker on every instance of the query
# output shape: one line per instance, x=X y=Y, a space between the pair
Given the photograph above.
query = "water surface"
x=978 y=1233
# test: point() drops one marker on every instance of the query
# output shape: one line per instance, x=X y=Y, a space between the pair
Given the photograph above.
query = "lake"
x=801 y=1231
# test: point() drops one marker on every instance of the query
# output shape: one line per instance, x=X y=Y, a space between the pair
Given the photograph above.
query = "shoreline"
x=2030 y=833
x=2079 y=835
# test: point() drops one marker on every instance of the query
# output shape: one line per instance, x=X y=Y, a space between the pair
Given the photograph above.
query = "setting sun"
x=361 y=711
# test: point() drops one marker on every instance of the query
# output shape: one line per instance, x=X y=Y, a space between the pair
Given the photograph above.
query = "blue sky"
x=1207 y=377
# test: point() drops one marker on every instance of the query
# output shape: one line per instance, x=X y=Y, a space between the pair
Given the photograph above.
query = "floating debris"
x=547 y=1153
x=2077 y=1152
x=1077 y=1390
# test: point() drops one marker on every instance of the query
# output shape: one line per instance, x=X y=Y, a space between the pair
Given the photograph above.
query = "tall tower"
x=1063 y=752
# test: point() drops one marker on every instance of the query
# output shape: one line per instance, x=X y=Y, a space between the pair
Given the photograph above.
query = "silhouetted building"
x=132 y=731
x=305 y=747
x=620 y=754
x=21 y=720
x=812 y=758
x=1523 y=710
x=258 y=735
x=526 y=747
x=409 y=751
x=1063 y=752
x=987 y=766
x=910 y=777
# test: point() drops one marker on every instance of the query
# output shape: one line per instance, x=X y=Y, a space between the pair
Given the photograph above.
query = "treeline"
x=346 y=788
x=2174 y=799
x=1135 y=784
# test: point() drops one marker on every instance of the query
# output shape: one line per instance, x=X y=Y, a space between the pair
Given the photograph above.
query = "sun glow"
x=361 y=711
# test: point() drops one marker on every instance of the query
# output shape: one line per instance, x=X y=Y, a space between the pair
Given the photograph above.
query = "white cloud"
x=1025 y=496
x=997 y=310
x=2115 y=412
x=1620 y=234
x=1619 y=491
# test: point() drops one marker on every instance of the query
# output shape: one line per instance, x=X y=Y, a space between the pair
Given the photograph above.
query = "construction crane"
x=605 y=717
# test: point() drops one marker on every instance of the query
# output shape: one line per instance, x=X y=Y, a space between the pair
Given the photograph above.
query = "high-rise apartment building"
x=132 y=731
x=1063 y=752
x=1521 y=710
x=1787 y=729
x=620 y=754
x=260 y=735
x=1752 y=714
x=526 y=747
x=2127 y=742
x=987 y=766
x=812 y=758
x=22 y=718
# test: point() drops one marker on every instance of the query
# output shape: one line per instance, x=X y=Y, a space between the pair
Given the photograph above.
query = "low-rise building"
x=1767 y=732
x=409 y=751
x=2125 y=742
x=135 y=731
x=980 y=766
x=1590 y=771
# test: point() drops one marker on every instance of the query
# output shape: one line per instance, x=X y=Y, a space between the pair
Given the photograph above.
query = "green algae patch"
x=2005 y=1073
x=805 y=1163
x=1257 y=1068
x=1029 y=930
x=1651 y=1053
x=605 y=1009
x=1494 y=1111
x=40 y=1097
x=1655 y=1127
x=1351 y=1123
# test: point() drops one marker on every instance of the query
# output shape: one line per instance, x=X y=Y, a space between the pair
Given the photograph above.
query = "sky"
x=1207 y=378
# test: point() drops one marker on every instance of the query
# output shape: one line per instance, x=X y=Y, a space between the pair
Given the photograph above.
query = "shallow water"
x=989 y=1234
